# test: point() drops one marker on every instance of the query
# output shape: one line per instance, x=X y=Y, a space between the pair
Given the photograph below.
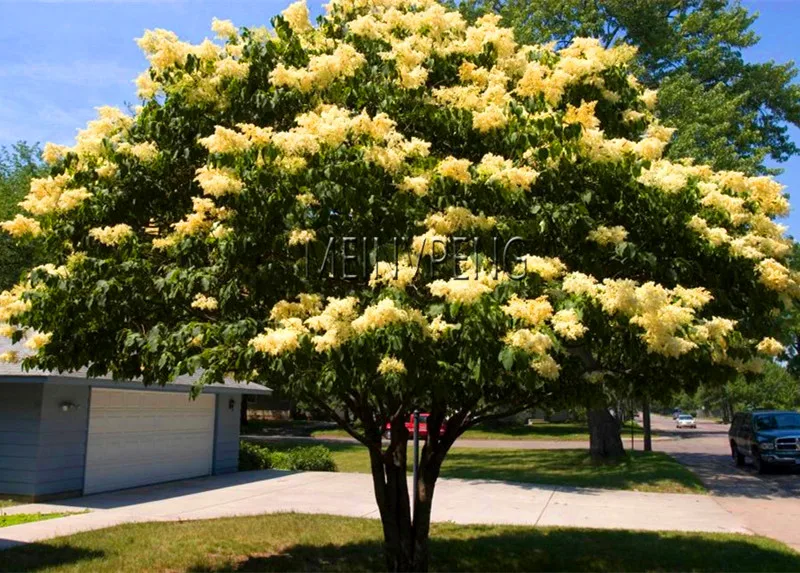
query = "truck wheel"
x=737 y=457
x=761 y=466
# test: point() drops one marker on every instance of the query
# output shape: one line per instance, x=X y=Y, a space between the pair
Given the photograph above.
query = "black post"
x=416 y=460
x=648 y=434
x=632 y=445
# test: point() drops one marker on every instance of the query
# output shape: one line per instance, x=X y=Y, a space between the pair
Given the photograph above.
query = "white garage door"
x=138 y=438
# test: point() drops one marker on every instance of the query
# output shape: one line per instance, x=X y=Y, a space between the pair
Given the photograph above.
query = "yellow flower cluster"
x=603 y=235
x=456 y=169
x=49 y=195
x=38 y=340
x=457 y=219
x=12 y=303
x=52 y=152
x=334 y=323
x=306 y=305
x=530 y=341
x=583 y=114
x=547 y=268
x=666 y=316
x=566 y=323
x=779 y=278
x=296 y=16
x=20 y=226
x=666 y=176
x=467 y=288
x=496 y=169
x=546 y=367
x=203 y=302
x=275 y=341
x=770 y=347
x=113 y=235
x=301 y=236
x=9 y=357
x=225 y=140
x=399 y=276
x=531 y=312
x=145 y=152
x=385 y=313
x=200 y=220
x=417 y=185
x=439 y=327
x=322 y=70
x=391 y=365
x=218 y=181
x=429 y=244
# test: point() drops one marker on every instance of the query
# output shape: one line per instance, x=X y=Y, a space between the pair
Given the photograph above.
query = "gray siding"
x=20 y=407
x=62 y=439
x=226 y=434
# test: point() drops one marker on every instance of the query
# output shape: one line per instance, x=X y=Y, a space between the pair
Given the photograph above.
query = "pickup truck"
x=423 y=427
x=767 y=437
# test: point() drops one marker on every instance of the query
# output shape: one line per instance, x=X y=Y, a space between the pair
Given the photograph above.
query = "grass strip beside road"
x=294 y=542
x=20 y=518
x=642 y=471
x=556 y=431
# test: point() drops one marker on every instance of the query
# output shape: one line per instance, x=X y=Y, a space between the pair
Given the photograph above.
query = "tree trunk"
x=406 y=545
x=648 y=434
x=605 y=442
x=430 y=464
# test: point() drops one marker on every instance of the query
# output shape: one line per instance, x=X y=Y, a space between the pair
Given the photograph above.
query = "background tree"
x=177 y=236
x=729 y=113
x=18 y=165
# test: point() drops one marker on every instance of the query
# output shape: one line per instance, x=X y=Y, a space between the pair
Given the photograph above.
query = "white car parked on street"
x=685 y=421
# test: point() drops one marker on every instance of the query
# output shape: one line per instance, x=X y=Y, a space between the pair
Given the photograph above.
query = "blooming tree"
x=181 y=236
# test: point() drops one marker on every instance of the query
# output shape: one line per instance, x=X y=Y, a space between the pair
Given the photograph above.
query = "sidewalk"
x=456 y=500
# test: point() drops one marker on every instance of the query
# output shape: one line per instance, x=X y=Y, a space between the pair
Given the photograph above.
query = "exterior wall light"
x=68 y=406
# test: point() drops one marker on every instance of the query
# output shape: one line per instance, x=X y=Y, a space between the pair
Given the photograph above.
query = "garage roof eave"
x=180 y=384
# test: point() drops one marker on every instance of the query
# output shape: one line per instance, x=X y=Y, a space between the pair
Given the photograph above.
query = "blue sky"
x=61 y=59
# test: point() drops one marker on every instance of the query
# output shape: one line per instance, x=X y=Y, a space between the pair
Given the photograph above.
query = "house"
x=64 y=435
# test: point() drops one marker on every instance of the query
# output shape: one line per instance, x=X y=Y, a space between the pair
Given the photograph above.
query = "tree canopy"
x=18 y=165
x=180 y=237
x=730 y=113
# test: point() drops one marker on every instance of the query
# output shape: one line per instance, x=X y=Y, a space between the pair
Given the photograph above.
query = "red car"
x=423 y=426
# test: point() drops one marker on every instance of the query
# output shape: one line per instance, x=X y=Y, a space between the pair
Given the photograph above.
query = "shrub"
x=303 y=458
x=254 y=457
x=311 y=459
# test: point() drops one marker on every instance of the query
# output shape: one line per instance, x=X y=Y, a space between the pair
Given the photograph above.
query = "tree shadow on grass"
x=37 y=556
x=570 y=467
x=486 y=548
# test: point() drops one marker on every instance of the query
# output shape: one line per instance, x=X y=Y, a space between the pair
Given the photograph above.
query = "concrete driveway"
x=459 y=501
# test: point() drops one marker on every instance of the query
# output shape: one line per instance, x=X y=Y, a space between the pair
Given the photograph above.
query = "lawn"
x=557 y=431
x=20 y=518
x=8 y=503
x=293 y=542
x=644 y=471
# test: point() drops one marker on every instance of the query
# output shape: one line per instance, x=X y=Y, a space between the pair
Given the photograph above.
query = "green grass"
x=20 y=518
x=556 y=431
x=293 y=542
x=8 y=503
x=644 y=471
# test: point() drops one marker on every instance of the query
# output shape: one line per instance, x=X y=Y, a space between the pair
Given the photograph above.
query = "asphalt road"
x=706 y=451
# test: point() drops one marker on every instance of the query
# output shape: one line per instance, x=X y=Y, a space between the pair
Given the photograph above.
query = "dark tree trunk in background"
x=605 y=442
x=648 y=434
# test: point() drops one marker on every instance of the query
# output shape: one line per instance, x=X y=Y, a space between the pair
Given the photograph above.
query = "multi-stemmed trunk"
x=406 y=536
